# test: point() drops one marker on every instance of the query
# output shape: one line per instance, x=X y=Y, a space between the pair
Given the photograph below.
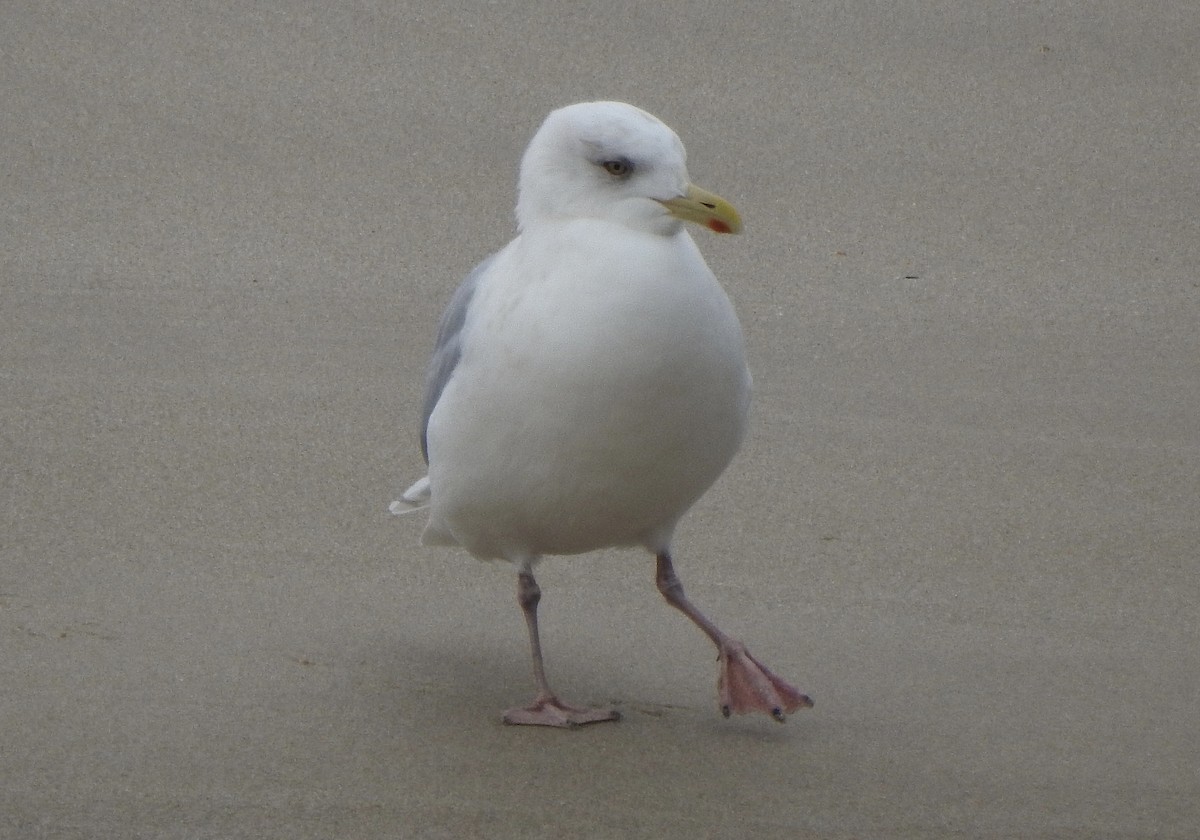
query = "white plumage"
x=589 y=381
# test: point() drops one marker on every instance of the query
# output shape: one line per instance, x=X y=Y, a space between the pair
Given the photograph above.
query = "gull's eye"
x=618 y=167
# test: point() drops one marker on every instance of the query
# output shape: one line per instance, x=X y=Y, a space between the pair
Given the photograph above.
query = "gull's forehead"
x=616 y=127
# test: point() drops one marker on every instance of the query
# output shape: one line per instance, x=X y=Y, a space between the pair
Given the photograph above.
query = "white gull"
x=589 y=381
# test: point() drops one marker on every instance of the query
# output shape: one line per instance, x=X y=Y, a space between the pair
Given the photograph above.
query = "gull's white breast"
x=602 y=388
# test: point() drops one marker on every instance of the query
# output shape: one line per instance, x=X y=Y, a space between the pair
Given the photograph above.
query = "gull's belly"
x=592 y=426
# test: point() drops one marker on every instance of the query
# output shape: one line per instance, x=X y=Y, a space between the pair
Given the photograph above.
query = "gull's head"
x=612 y=161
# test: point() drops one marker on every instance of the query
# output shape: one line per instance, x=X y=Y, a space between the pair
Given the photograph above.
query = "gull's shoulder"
x=447 y=347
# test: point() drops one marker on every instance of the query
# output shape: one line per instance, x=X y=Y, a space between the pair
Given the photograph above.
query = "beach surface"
x=966 y=519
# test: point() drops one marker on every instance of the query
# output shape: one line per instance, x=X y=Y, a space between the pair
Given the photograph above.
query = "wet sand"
x=965 y=520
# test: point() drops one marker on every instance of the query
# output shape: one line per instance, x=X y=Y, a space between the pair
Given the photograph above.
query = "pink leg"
x=546 y=709
x=744 y=684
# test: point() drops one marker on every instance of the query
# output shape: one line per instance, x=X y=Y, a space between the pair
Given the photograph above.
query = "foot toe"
x=746 y=685
x=553 y=712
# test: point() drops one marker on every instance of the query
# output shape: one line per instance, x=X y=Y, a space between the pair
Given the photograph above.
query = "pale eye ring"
x=618 y=167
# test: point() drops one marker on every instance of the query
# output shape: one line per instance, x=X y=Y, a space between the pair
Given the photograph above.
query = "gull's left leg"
x=744 y=684
x=546 y=709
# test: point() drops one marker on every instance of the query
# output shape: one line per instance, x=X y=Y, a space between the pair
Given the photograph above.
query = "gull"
x=588 y=382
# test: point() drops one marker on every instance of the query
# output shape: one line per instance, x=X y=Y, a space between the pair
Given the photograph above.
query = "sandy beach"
x=966 y=519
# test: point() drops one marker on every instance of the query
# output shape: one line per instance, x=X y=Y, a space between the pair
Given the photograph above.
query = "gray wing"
x=448 y=347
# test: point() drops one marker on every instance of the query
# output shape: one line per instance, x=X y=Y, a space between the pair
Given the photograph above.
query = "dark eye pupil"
x=619 y=168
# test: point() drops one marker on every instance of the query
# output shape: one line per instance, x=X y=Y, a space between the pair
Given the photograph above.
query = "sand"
x=966 y=520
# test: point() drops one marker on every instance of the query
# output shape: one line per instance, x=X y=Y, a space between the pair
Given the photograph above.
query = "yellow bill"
x=704 y=208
